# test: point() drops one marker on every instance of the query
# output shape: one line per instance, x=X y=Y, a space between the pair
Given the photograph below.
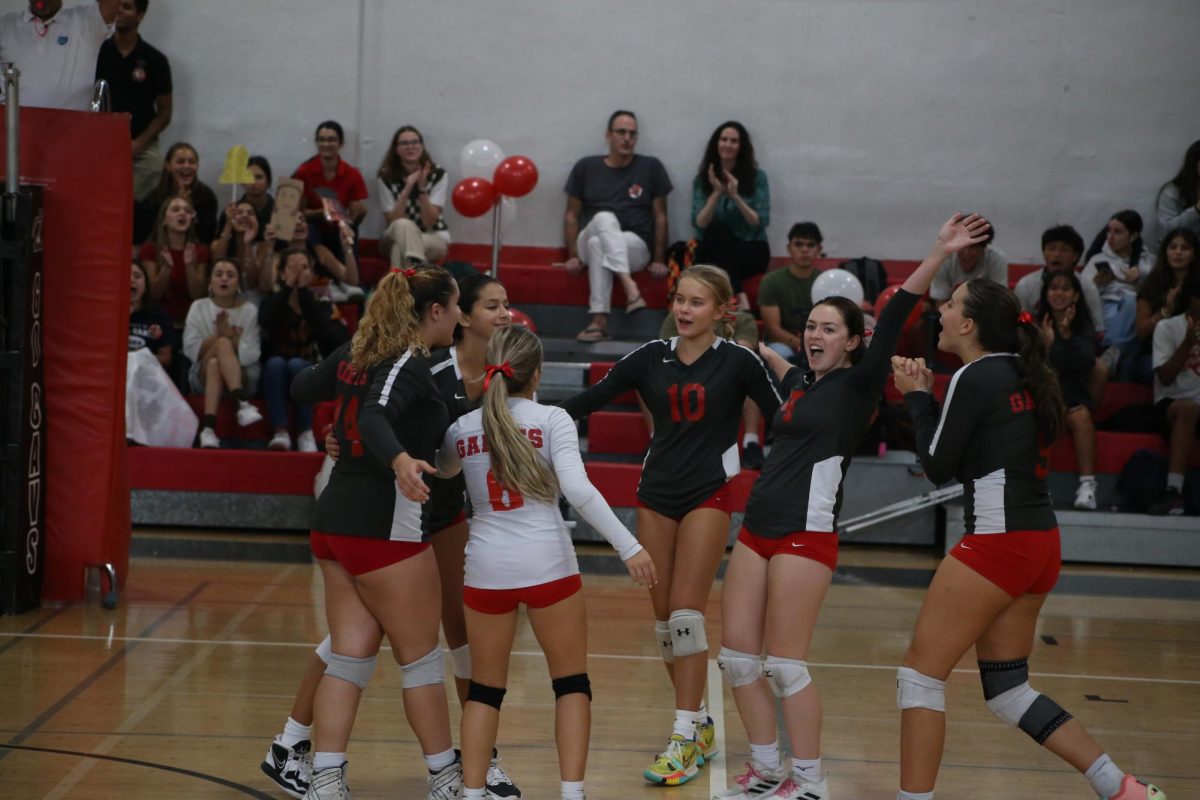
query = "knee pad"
x=488 y=695
x=740 y=669
x=914 y=690
x=325 y=648
x=786 y=675
x=425 y=671
x=352 y=670
x=1009 y=696
x=460 y=657
x=687 y=632
x=662 y=633
x=572 y=684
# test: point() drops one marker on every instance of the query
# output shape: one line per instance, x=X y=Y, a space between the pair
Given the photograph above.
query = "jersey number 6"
x=501 y=497
x=687 y=403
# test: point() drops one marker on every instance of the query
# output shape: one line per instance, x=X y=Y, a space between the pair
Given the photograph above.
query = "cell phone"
x=1104 y=267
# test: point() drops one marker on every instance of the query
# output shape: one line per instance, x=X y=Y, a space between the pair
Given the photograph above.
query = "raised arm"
x=956 y=233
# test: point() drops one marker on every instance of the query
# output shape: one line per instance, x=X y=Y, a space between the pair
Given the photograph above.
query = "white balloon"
x=837 y=283
x=479 y=159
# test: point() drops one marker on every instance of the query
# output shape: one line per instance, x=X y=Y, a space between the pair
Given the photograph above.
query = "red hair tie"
x=411 y=272
x=729 y=317
x=504 y=369
x=1024 y=318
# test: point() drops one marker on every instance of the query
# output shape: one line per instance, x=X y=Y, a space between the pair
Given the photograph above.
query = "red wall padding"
x=83 y=161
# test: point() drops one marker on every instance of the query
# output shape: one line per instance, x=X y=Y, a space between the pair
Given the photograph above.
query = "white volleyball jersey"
x=517 y=541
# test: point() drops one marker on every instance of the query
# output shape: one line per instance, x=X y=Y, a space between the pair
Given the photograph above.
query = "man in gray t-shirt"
x=616 y=221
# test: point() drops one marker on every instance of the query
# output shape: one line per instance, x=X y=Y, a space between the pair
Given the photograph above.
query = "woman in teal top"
x=731 y=207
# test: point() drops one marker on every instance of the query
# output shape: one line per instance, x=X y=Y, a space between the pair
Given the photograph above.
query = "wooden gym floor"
x=178 y=692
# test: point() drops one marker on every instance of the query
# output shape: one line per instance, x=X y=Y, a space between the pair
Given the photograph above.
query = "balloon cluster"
x=475 y=195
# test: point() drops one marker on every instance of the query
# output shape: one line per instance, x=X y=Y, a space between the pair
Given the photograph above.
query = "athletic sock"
x=327 y=761
x=703 y=712
x=572 y=790
x=1087 y=479
x=1175 y=481
x=474 y=794
x=294 y=732
x=749 y=439
x=209 y=421
x=685 y=723
x=439 y=761
x=1104 y=776
x=807 y=769
x=914 y=795
x=766 y=755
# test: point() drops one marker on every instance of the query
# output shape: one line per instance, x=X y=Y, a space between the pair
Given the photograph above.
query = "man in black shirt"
x=139 y=77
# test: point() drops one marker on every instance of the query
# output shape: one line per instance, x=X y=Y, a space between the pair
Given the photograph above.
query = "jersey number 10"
x=687 y=402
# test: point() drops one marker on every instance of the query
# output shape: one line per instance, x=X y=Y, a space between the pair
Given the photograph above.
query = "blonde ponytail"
x=514 y=355
x=391 y=325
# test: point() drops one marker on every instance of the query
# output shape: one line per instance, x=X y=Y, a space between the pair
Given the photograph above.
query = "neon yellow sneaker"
x=706 y=740
x=675 y=765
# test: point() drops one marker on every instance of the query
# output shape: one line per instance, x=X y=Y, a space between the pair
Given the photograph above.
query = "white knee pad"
x=427 y=670
x=786 y=675
x=740 y=669
x=460 y=657
x=914 y=690
x=350 y=669
x=662 y=634
x=325 y=648
x=687 y=632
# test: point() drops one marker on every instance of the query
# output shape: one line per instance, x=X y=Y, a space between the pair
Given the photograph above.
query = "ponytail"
x=514 y=354
x=1004 y=328
x=391 y=325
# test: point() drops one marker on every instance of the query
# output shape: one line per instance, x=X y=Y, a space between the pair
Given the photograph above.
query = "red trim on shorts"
x=721 y=500
x=818 y=546
x=1019 y=562
x=361 y=554
x=505 y=601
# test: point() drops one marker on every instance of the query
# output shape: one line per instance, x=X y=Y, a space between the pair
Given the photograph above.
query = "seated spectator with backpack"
x=785 y=295
x=1177 y=390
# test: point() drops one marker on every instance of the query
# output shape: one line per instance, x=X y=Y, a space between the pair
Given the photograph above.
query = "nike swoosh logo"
x=460 y=397
x=797 y=544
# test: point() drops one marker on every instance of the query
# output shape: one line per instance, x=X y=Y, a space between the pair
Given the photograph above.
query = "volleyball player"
x=695 y=385
x=458 y=373
x=516 y=456
x=379 y=575
x=1003 y=409
x=786 y=552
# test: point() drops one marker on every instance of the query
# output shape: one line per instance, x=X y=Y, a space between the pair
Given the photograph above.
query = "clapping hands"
x=911 y=375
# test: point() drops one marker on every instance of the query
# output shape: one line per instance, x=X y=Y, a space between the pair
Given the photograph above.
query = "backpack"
x=1142 y=480
x=870 y=273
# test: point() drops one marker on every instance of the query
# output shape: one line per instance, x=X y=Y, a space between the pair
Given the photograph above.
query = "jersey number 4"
x=501 y=497
x=348 y=412
x=687 y=402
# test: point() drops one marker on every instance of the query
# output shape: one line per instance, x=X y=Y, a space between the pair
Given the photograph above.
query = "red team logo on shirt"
x=635 y=191
x=790 y=405
x=139 y=73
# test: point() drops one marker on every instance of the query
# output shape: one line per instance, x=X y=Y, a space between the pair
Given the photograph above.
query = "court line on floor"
x=130 y=645
x=716 y=710
x=17 y=638
x=611 y=656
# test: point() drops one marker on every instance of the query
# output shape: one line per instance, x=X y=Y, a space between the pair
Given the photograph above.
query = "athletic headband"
x=504 y=369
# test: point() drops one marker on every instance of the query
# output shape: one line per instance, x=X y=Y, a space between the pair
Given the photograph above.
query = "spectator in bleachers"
x=1178 y=201
x=785 y=295
x=1116 y=263
x=1158 y=299
x=616 y=221
x=298 y=329
x=258 y=195
x=731 y=208
x=149 y=326
x=175 y=261
x=412 y=193
x=332 y=278
x=1071 y=341
x=1177 y=390
x=56 y=50
x=179 y=178
x=328 y=177
x=973 y=261
x=156 y=414
x=139 y=79
x=222 y=341
x=241 y=241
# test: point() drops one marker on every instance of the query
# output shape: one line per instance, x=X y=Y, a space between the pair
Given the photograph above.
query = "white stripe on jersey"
x=387 y=387
x=452 y=361
x=950 y=393
x=822 y=494
x=731 y=462
x=988 y=502
x=406 y=519
x=762 y=364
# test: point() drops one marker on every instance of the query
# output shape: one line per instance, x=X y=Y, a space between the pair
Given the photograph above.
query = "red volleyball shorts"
x=721 y=500
x=816 y=546
x=1019 y=562
x=504 y=601
x=360 y=554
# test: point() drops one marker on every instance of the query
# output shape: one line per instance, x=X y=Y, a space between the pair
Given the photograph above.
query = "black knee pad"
x=572 y=684
x=488 y=695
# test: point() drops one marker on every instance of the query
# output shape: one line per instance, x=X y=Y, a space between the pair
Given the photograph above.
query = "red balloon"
x=515 y=176
x=885 y=296
x=521 y=318
x=473 y=197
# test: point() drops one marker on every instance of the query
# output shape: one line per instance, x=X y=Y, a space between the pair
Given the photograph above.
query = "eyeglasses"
x=409 y=143
x=328 y=140
x=624 y=133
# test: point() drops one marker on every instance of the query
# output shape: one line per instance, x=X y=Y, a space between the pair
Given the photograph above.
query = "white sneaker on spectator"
x=247 y=414
x=209 y=440
x=282 y=440
x=306 y=442
x=1085 y=496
